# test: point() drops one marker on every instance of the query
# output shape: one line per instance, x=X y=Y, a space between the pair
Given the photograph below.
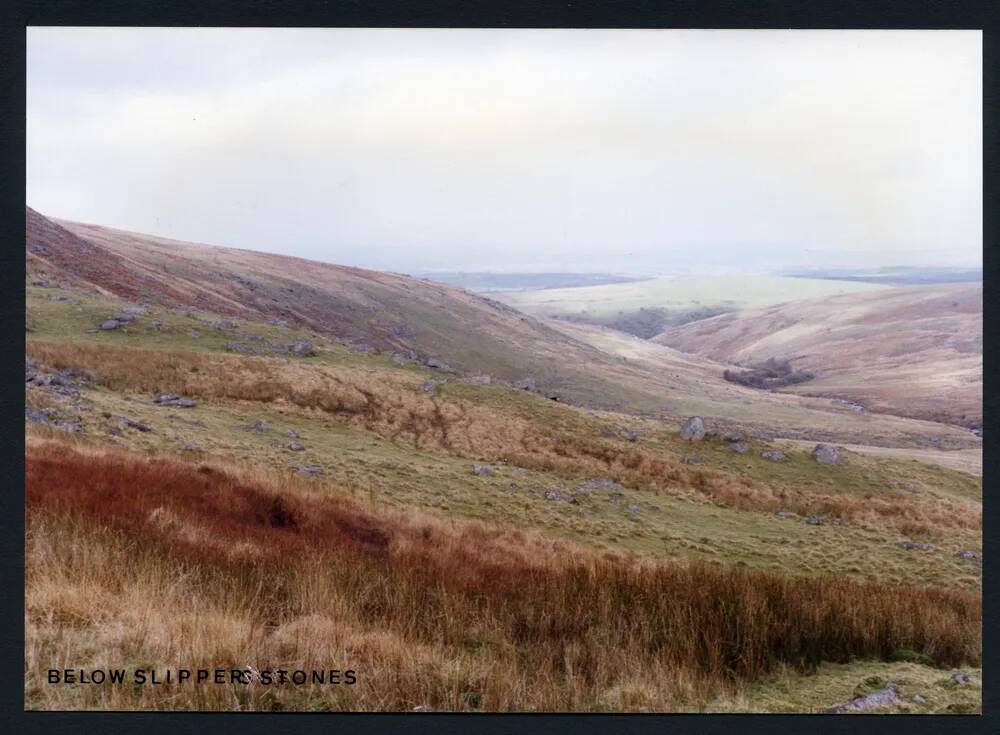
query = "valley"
x=479 y=509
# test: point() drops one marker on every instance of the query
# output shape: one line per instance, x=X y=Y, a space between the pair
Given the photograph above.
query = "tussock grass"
x=391 y=403
x=159 y=562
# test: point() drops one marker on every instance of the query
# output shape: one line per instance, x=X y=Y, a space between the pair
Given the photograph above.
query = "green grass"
x=679 y=526
x=831 y=684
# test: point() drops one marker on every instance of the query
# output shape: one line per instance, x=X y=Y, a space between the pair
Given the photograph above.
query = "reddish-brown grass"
x=555 y=614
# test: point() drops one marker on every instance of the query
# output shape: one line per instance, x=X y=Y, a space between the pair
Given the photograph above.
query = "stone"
x=526 y=384
x=733 y=437
x=915 y=545
x=692 y=459
x=310 y=469
x=124 y=317
x=172 y=399
x=784 y=514
x=429 y=387
x=885 y=697
x=815 y=521
x=398 y=358
x=291 y=433
x=967 y=555
x=739 y=447
x=259 y=425
x=632 y=508
x=773 y=455
x=825 y=454
x=693 y=429
x=194 y=333
x=918 y=699
x=110 y=324
x=600 y=484
x=438 y=364
x=296 y=447
x=479 y=380
x=482 y=470
x=190 y=447
x=963 y=679
x=302 y=348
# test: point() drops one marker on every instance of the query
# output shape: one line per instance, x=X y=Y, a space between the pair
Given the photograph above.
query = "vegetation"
x=769 y=375
x=498 y=620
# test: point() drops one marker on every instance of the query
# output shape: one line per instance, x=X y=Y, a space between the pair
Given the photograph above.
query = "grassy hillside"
x=914 y=351
x=461 y=545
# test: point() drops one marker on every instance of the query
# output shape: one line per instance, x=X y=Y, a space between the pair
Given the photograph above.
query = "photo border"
x=847 y=14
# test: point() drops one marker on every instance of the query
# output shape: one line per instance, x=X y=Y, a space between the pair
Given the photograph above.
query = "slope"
x=914 y=351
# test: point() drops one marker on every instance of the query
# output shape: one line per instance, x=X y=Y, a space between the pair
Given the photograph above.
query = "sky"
x=519 y=150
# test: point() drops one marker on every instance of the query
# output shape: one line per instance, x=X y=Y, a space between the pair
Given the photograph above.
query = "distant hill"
x=485 y=281
x=898 y=276
x=914 y=351
x=646 y=308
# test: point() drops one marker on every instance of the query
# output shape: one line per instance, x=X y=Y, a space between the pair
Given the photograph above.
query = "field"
x=465 y=544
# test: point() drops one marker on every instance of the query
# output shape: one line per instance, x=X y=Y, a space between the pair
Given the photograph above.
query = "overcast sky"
x=630 y=151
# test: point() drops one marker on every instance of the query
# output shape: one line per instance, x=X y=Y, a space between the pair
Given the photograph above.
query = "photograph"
x=502 y=370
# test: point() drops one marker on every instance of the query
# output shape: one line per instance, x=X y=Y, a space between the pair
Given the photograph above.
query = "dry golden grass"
x=392 y=404
x=136 y=562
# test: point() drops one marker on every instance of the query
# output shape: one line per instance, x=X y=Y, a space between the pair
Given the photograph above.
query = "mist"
x=528 y=150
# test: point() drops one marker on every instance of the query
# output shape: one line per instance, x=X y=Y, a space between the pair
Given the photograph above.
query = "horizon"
x=641 y=152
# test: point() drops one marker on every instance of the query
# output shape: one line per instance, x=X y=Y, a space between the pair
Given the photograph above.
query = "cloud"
x=623 y=150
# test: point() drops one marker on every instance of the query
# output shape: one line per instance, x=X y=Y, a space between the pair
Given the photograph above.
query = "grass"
x=787 y=691
x=143 y=551
x=207 y=566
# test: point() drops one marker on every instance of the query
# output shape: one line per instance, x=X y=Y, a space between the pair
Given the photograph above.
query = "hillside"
x=645 y=308
x=913 y=351
x=421 y=320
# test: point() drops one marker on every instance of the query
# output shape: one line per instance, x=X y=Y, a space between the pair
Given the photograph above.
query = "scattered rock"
x=190 y=447
x=693 y=429
x=885 y=697
x=429 y=387
x=600 y=484
x=124 y=317
x=963 y=679
x=310 y=469
x=482 y=470
x=194 y=333
x=172 y=399
x=774 y=455
x=916 y=545
x=631 y=436
x=526 y=384
x=739 y=447
x=126 y=422
x=632 y=508
x=692 y=459
x=114 y=431
x=296 y=447
x=259 y=425
x=967 y=555
x=918 y=699
x=224 y=324
x=110 y=324
x=479 y=380
x=361 y=347
x=785 y=514
x=554 y=495
x=51 y=417
x=815 y=520
x=60 y=297
x=437 y=364
x=825 y=454
x=400 y=359
x=733 y=437
x=302 y=348
x=291 y=433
